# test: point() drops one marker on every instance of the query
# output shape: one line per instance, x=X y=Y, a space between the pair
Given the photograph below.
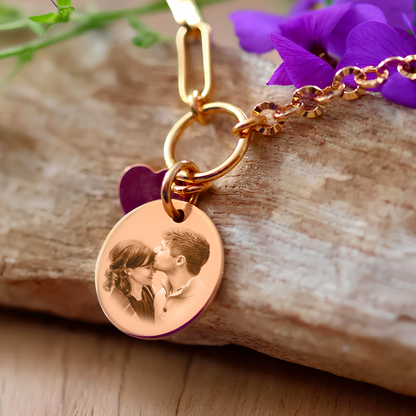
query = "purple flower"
x=311 y=42
x=395 y=11
x=254 y=28
x=372 y=42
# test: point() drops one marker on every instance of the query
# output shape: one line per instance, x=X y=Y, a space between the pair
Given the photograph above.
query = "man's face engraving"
x=164 y=262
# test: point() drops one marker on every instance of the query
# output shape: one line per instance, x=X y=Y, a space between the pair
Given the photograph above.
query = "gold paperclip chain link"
x=189 y=95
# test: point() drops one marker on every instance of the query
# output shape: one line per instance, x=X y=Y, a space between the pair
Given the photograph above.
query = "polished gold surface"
x=196 y=102
x=287 y=111
x=338 y=80
x=393 y=61
x=273 y=126
x=331 y=93
x=382 y=76
x=184 y=34
x=249 y=124
x=405 y=68
x=173 y=309
x=190 y=189
x=190 y=168
x=225 y=167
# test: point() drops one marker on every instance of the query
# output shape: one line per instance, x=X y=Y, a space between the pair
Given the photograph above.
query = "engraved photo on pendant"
x=154 y=276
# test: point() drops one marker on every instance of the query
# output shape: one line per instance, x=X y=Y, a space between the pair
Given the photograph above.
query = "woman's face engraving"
x=142 y=275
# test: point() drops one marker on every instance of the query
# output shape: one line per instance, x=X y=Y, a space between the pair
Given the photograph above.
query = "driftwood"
x=318 y=223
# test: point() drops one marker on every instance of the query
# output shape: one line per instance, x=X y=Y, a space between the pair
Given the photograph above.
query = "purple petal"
x=400 y=90
x=411 y=40
x=357 y=14
x=280 y=77
x=303 y=67
x=304 y=5
x=393 y=10
x=399 y=19
x=371 y=42
x=254 y=28
x=314 y=27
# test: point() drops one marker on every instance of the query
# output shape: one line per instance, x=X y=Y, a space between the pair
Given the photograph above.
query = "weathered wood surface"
x=69 y=369
x=318 y=223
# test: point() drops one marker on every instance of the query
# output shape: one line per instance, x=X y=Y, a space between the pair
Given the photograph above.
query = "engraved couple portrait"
x=177 y=261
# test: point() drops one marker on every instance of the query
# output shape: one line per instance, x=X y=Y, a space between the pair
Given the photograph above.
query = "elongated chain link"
x=310 y=101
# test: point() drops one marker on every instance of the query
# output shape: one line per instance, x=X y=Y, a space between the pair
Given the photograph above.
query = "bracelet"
x=163 y=233
x=310 y=101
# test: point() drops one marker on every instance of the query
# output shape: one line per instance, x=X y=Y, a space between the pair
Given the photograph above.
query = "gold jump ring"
x=250 y=123
x=213 y=174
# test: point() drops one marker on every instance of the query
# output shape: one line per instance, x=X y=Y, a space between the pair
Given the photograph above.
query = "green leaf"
x=65 y=13
x=145 y=37
x=46 y=18
x=64 y=3
x=62 y=15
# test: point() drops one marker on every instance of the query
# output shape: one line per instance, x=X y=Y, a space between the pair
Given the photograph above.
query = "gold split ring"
x=165 y=193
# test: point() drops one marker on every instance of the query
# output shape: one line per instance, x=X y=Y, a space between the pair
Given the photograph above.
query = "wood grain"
x=318 y=223
x=50 y=366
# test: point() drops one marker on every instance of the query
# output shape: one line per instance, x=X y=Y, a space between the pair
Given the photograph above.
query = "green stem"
x=34 y=46
x=17 y=24
x=90 y=21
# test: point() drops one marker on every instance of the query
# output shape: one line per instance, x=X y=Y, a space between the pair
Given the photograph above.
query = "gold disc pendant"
x=154 y=277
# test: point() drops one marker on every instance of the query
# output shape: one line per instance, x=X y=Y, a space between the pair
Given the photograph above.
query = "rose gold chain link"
x=310 y=101
x=408 y=69
x=382 y=75
x=330 y=93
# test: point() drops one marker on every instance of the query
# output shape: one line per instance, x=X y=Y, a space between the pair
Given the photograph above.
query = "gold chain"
x=184 y=177
x=310 y=101
x=183 y=180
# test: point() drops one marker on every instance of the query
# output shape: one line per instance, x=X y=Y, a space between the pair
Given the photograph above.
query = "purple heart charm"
x=138 y=185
